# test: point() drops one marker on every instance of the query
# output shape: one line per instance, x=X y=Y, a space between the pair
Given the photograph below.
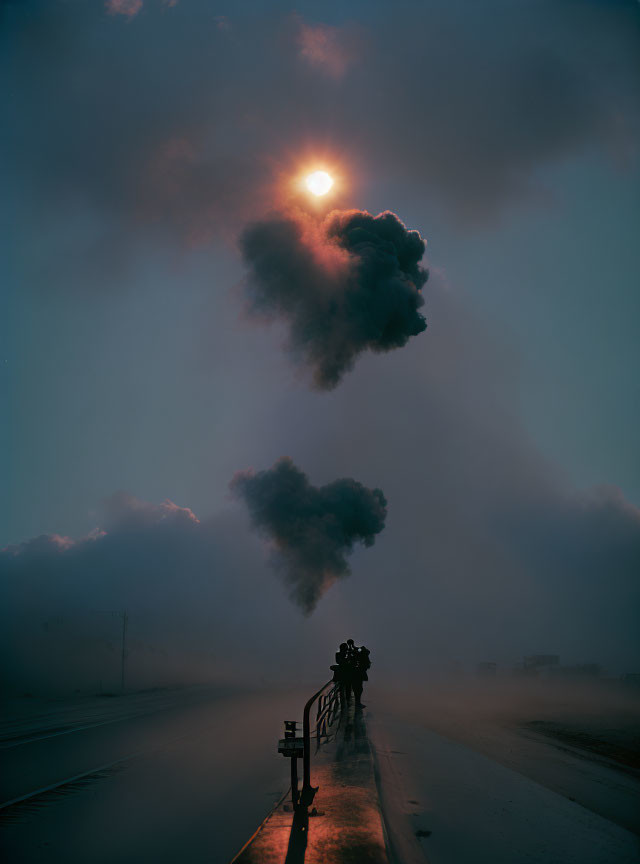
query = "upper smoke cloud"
x=313 y=529
x=349 y=284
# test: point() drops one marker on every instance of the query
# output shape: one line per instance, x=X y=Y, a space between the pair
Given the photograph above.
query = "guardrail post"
x=308 y=791
x=295 y=794
x=292 y=747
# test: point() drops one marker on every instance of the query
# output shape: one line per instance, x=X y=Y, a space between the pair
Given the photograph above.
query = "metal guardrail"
x=329 y=708
x=325 y=717
x=328 y=711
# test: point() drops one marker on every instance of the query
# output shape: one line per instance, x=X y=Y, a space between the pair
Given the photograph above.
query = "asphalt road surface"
x=446 y=803
x=188 y=775
x=176 y=776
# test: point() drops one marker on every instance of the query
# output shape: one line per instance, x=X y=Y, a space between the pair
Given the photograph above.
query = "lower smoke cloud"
x=312 y=529
x=345 y=285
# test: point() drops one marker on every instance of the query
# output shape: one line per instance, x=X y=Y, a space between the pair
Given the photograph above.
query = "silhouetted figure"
x=342 y=673
x=361 y=663
x=351 y=648
x=350 y=671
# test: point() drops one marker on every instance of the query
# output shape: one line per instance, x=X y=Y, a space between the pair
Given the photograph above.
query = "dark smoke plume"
x=312 y=529
x=348 y=284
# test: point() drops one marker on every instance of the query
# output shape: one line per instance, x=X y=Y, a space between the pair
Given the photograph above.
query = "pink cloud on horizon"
x=121 y=513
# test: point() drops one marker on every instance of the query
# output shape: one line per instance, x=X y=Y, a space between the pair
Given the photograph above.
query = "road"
x=446 y=803
x=176 y=776
x=188 y=775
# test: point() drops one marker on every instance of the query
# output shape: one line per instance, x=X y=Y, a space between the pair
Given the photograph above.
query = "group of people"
x=350 y=671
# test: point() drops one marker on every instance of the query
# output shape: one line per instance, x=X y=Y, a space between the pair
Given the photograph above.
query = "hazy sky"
x=142 y=136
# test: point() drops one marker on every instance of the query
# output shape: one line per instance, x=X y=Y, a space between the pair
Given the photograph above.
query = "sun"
x=319 y=182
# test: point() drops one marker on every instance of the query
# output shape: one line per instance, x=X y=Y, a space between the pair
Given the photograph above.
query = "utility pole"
x=124 y=638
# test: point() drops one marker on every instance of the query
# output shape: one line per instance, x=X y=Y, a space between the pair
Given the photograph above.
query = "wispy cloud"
x=130 y=8
x=324 y=47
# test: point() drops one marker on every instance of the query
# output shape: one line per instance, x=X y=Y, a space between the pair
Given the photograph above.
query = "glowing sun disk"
x=319 y=182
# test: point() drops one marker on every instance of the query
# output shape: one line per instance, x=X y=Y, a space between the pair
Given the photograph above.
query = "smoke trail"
x=312 y=529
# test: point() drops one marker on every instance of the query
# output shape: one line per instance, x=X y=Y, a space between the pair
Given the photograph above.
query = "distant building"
x=535 y=664
x=487 y=670
x=579 y=670
x=541 y=661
